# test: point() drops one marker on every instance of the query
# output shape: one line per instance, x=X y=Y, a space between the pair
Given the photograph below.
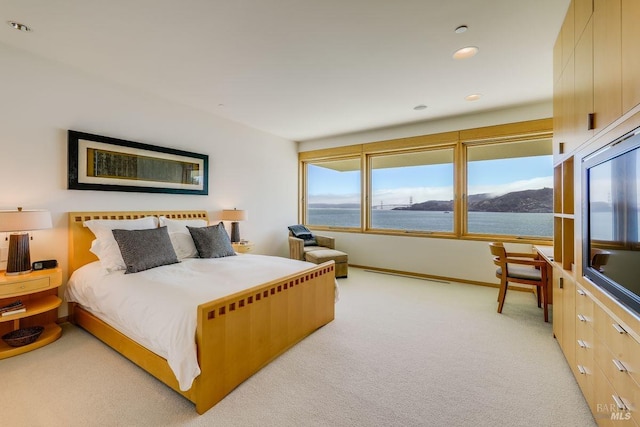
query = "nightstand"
x=242 y=248
x=38 y=291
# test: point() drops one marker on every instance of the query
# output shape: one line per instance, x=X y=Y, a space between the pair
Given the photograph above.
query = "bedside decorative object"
x=234 y=215
x=23 y=336
x=242 y=247
x=19 y=223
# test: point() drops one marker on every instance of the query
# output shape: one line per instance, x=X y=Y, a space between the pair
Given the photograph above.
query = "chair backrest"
x=499 y=253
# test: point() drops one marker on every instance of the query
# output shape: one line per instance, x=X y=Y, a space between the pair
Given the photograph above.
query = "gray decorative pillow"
x=212 y=241
x=145 y=249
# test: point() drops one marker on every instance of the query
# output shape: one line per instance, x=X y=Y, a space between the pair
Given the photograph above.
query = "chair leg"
x=543 y=290
x=538 y=291
x=502 y=295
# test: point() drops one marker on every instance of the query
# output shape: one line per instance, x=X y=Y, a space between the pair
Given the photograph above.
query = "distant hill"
x=518 y=201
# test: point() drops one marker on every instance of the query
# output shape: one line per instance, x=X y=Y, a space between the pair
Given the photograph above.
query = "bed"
x=235 y=334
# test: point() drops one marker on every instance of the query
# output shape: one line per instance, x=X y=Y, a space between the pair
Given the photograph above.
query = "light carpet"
x=401 y=352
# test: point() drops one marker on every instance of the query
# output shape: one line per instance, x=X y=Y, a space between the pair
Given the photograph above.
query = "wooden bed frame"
x=236 y=335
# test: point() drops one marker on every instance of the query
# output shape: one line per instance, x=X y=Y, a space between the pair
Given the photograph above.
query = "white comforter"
x=157 y=307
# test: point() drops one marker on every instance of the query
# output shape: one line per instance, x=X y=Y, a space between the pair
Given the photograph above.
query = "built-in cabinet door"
x=607 y=65
x=630 y=57
x=558 y=282
x=583 y=85
x=569 y=320
x=567 y=36
x=558 y=126
x=568 y=119
x=557 y=58
x=583 y=9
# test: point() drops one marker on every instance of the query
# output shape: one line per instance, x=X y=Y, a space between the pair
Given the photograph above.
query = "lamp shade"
x=234 y=215
x=21 y=220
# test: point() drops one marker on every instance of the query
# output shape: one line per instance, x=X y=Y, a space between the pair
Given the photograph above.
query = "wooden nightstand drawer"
x=25 y=286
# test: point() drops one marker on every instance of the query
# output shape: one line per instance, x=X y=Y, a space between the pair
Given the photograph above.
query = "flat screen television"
x=611 y=210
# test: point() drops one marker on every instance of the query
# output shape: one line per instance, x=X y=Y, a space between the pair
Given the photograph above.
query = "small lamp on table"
x=19 y=223
x=234 y=215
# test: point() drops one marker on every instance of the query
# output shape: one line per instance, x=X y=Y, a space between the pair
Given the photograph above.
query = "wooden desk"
x=546 y=253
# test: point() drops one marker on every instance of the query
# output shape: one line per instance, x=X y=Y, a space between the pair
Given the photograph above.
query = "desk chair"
x=523 y=268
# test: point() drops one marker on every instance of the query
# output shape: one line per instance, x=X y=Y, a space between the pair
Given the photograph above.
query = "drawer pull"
x=619 y=328
x=619 y=366
x=582 y=344
x=582 y=370
x=581 y=292
x=582 y=318
x=619 y=403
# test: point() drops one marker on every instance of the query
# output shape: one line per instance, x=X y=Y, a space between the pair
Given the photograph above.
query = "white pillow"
x=105 y=246
x=180 y=237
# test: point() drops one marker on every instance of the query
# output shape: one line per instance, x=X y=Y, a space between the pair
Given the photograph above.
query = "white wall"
x=460 y=259
x=41 y=100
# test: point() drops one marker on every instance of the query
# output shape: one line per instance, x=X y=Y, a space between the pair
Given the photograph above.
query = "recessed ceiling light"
x=465 y=52
x=461 y=29
x=18 y=26
x=420 y=107
x=473 y=97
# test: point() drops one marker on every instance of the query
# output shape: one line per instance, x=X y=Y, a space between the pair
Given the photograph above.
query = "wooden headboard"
x=80 y=237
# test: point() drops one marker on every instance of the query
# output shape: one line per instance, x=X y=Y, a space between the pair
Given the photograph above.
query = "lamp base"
x=235 y=232
x=19 y=259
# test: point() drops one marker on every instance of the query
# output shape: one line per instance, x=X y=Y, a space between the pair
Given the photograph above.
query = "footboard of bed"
x=239 y=334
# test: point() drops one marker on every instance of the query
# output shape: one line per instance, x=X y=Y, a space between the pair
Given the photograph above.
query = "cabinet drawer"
x=621 y=345
x=607 y=401
x=24 y=286
x=585 y=370
x=625 y=388
x=584 y=306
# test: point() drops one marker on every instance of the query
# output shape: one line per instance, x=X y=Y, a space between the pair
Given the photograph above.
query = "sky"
x=397 y=186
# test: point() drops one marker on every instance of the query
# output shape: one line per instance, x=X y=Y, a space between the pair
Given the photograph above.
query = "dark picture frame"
x=103 y=163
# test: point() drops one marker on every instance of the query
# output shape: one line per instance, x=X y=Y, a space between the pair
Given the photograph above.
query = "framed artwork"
x=109 y=164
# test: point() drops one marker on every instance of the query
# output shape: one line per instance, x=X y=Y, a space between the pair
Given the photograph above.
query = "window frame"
x=369 y=157
x=458 y=140
x=303 y=210
x=465 y=211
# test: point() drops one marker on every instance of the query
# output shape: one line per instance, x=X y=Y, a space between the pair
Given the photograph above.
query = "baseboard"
x=440 y=278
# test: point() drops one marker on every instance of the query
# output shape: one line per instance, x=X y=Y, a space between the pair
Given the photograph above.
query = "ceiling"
x=304 y=69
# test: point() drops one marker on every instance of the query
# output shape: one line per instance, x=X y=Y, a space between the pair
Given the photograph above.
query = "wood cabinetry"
x=596 y=73
x=607 y=73
x=584 y=113
x=630 y=12
x=616 y=360
x=563 y=214
x=584 y=361
x=38 y=291
x=596 y=69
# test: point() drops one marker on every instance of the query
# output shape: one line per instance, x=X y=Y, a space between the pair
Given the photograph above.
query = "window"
x=413 y=191
x=510 y=189
x=490 y=183
x=333 y=193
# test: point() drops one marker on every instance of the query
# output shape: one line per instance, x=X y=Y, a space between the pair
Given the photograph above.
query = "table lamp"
x=19 y=223
x=234 y=215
